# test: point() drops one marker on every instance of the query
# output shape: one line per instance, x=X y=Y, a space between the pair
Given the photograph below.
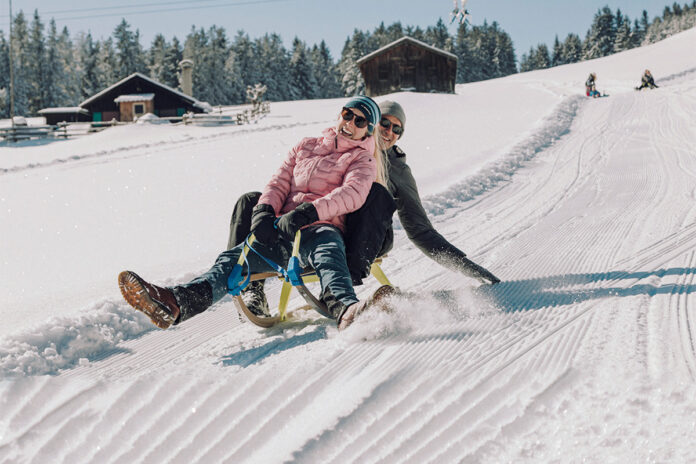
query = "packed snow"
x=585 y=208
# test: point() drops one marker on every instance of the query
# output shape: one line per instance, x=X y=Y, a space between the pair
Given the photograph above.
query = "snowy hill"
x=585 y=352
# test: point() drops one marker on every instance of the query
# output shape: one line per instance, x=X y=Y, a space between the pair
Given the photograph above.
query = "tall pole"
x=11 y=72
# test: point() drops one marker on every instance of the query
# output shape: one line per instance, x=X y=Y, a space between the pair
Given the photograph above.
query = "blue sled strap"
x=235 y=283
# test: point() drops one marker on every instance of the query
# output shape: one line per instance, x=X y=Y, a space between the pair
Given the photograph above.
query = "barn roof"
x=166 y=88
x=402 y=40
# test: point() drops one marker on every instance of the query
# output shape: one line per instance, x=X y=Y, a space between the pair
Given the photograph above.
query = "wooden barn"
x=408 y=64
x=136 y=95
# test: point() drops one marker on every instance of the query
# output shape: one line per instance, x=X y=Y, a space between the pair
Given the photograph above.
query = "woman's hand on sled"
x=262 y=224
x=304 y=215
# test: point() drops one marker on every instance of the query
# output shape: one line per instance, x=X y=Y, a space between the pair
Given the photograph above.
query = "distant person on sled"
x=647 y=81
x=367 y=235
x=321 y=180
x=590 y=87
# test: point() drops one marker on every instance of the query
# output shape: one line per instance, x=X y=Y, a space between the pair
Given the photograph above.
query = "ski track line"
x=152 y=147
x=462 y=401
x=510 y=204
x=102 y=430
x=679 y=304
x=278 y=406
x=398 y=427
x=316 y=449
x=552 y=129
x=53 y=417
x=203 y=419
x=546 y=373
x=588 y=309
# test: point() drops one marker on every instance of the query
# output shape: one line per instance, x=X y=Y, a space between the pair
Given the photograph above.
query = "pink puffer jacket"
x=332 y=172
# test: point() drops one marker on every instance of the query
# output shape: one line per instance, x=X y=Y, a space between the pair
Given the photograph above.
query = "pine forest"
x=51 y=68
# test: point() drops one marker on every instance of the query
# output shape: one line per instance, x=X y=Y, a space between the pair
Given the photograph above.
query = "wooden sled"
x=305 y=277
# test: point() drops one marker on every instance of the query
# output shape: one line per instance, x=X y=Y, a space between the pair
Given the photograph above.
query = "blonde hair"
x=382 y=161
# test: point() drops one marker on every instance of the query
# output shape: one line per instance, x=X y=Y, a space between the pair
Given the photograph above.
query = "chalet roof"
x=402 y=40
x=182 y=95
x=64 y=110
x=134 y=97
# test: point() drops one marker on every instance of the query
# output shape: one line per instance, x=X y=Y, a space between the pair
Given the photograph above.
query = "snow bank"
x=65 y=342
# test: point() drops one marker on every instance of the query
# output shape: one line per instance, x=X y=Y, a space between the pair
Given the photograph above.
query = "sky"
x=528 y=22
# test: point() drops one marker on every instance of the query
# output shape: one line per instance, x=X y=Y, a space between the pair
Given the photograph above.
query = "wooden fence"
x=74 y=129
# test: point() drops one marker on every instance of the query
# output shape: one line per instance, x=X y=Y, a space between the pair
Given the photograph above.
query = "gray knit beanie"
x=393 y=108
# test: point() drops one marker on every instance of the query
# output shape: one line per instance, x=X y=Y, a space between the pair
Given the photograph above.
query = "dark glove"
x=303 y=215
x=262 y=224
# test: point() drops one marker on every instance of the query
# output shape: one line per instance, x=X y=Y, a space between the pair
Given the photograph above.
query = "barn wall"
x=409 y=67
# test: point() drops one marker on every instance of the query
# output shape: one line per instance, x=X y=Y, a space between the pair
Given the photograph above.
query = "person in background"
x=647 y=81
x=321 y=180
x=367 y=234
x=590 y=86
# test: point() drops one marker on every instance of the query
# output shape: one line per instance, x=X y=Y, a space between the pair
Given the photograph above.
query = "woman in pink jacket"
x=320 y=181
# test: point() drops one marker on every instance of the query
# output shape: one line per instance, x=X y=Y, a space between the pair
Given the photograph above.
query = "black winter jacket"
x=414 y=218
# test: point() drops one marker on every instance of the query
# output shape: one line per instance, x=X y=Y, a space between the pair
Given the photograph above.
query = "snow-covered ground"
x=585 y=352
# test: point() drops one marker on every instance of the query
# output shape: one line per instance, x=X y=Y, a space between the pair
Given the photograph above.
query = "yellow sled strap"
x=287 y=286
x=377 y=271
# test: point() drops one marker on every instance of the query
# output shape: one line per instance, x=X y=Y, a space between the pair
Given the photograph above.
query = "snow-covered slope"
x=585 y=208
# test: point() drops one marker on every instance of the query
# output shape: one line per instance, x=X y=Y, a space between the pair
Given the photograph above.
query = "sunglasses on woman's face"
x=359 y=121
x=395 y=128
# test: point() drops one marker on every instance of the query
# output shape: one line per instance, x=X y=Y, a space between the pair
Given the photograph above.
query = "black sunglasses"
x=359 y=121
x=395 y=128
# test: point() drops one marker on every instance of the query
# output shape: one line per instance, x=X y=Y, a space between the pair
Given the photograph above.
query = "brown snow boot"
x=376 y=300
x=158 y=303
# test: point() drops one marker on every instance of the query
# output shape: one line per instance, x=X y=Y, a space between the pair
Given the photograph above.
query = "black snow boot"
x=254 y=298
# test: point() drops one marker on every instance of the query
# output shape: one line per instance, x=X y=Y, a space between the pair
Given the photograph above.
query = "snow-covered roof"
x=142 y=76
x=134 y=97
x=402 y=40
x=63 y=109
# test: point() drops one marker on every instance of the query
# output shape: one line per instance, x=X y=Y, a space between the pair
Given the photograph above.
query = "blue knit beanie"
x=369 y=108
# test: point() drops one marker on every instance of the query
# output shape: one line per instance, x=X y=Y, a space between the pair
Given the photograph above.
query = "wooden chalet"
x=408 y=64
x=136 y=95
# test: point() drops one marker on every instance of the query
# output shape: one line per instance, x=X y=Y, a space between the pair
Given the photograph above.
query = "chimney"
x=186 y=79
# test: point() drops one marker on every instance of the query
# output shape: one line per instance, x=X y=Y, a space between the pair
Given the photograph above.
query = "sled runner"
x=292 y=276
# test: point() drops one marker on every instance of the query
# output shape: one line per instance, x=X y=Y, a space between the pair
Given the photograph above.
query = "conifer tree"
x=173 y=56
x=557 y=53
x=55 y=71
x=129 y=51
x=352 y=82
x=36 y=71
x=623 y=40
x=571 y=49
x=237 y=89
x=246 y=63
x=20 y=60
x=4 y=77
x=155 y=57
x=70 y=84
x=438 y=36
x=107 y=64
x=601 y=36
x=87 y=51
x=302 y=72
x=274 y=71
x=325 y=72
